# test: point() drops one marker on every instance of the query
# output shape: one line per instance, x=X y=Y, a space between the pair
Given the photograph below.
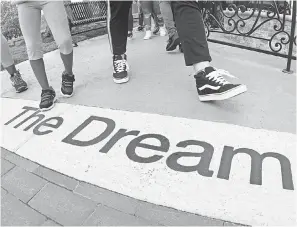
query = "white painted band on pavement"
x=155 y=158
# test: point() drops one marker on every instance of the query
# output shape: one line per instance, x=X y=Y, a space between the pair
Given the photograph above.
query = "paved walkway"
x=49 y=182
x=34 y=195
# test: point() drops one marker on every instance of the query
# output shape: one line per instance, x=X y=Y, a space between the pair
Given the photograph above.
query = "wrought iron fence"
x=88 y=12
x=241 y=23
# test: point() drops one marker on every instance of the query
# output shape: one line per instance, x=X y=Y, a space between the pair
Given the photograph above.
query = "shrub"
x=9 y=20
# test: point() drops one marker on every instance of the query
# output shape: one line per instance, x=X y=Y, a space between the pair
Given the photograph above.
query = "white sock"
x=201 y=66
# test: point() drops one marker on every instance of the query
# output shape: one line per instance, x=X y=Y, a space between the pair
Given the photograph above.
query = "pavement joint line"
x=52 y=182
x=28 y=205
x=97 y=203
x=38 y=192
x=83 y=222
x=48 y=219
x=14 y=165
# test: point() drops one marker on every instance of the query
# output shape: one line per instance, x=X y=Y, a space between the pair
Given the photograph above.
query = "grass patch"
x=19 y=52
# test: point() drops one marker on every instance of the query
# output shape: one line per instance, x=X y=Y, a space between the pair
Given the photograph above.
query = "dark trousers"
x=190 y=28
x=117 y=19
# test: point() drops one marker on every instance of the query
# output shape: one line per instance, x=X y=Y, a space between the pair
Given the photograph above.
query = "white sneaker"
x=148 y=35
x=162 y=31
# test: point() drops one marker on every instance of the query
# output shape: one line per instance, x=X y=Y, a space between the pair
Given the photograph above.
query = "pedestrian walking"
x=30 y=20
x=149 y=8
x=8 y=64
x=141 y=20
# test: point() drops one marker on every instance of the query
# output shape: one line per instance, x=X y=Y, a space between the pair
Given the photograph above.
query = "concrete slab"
x=22 y=184
x=16 y=213
x=62 y=206
x=5 y=166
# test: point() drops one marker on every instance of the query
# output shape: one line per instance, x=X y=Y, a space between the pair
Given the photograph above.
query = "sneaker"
x=67 y=85
x=130 y=35
x=212 y=86
x=140 y=28
x=120 y=69
x=173 y=42
x=48 y=98
x=148 y=35
x=163 y=31
x=156 y=30
x=18 y=83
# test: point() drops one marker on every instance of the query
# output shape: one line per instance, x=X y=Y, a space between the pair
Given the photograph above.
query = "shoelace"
x=120 y=65
x=218 y=76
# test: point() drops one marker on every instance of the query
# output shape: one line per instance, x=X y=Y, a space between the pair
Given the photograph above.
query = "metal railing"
x=262 y=26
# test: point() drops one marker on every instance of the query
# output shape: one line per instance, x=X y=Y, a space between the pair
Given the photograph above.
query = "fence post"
x=292 y=37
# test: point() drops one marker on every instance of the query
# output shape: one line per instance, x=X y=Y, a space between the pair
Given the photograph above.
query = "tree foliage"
x=9 y=20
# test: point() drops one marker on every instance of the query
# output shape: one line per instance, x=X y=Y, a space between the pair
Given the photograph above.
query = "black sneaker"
x=212 y=86
x=173 y=42
x=67 y=85
x=18 y=83
x=156 y=30
x=140 y=28
x=120 y=69
x=48 y=98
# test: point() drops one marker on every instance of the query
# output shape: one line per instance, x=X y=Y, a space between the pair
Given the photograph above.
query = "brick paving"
x=37 y=196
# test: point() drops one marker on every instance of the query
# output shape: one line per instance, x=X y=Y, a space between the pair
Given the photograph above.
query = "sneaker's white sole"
x=121 y=81
x=67 y=96
x=49 y=108
x=22 y=90
x=226 y=95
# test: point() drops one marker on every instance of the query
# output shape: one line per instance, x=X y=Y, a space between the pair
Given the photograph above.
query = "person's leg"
x=159 y=22
x=30 y=20
x=130 y=24
x=117 y=22
x=140 y=17
x=6 y=58
x=209 y=82
x=7 y=62
x=70 y=29
x=147 y=8
x=156 y=22
x=167 y=14
x=56 y=17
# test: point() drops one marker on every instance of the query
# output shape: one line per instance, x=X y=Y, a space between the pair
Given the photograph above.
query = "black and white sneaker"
x=120 y=69
x=211 y=85
x=48 y=99
x=67 y=85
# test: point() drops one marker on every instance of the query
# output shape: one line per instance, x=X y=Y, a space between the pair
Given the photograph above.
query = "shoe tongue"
x=209 y=70
x=118 y=57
